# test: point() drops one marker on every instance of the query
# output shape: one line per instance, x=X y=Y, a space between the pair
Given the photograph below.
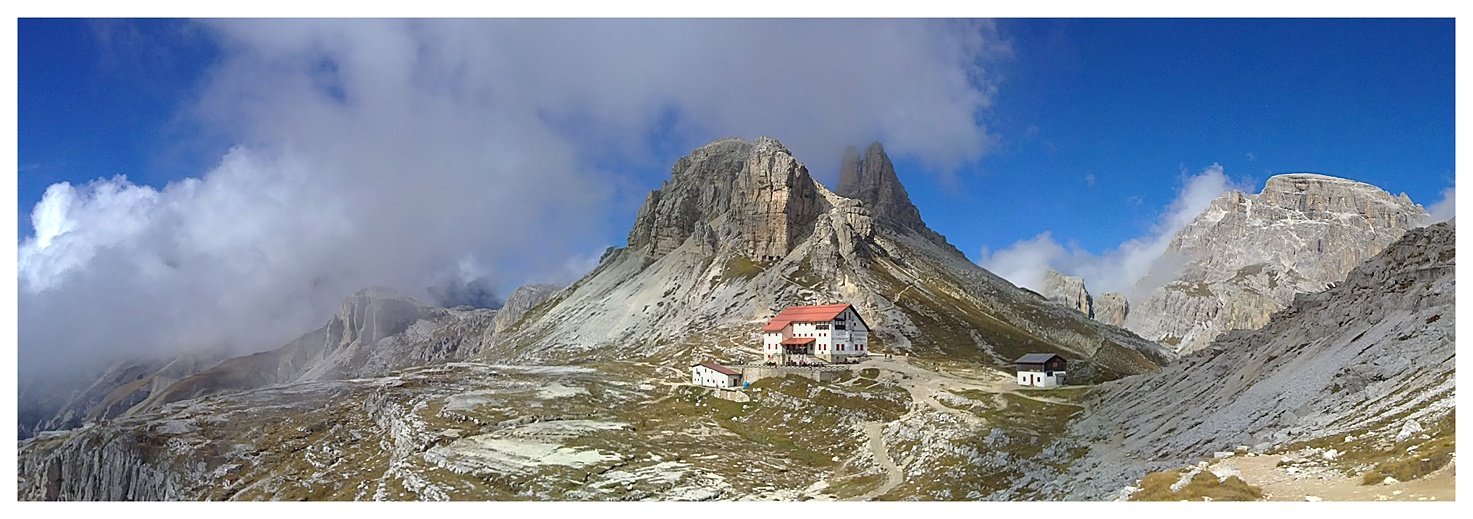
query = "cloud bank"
x=1444 y=209
x=465 y=155
x=1117 y=270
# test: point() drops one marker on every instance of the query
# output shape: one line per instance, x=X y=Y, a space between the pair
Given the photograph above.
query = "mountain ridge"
x=1248 y=255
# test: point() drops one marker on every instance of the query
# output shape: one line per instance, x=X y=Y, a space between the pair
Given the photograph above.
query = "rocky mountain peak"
x=519 y=302
x=1324 y=197
x=750 y=196
x=1068 y=291
x=373 y=313
x=1248 y=255
x=872 y=180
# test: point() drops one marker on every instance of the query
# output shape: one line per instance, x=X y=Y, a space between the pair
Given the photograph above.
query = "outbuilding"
x=711 y=374
x=1042 y=370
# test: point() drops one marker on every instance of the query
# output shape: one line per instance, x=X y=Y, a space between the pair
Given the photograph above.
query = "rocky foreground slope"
x=1369 y=358
x=1247 y=255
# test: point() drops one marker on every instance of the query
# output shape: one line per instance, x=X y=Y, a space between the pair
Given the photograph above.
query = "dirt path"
x=1330 y=485
x=893 y=475
x=920 y=383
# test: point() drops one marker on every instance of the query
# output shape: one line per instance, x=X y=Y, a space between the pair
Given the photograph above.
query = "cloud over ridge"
x=461 y=154
x=1121 y=268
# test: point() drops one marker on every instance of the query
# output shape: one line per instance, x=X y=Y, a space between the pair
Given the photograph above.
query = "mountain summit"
x=741 y=231
x=1247 y=256
x=872 y=180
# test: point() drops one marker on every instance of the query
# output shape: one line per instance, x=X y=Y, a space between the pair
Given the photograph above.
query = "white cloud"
x=1119 y=269
x=1444 y=209
x=423 y=152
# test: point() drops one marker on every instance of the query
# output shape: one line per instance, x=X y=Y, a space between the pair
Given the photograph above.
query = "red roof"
x=807 y=314
x=798 y=340
x=719 y=368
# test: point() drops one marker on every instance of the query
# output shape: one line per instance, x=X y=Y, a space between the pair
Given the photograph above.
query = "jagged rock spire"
x=873 y=181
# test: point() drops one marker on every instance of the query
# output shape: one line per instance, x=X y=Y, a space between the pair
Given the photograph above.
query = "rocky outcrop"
x=1111 y=308
x=519 y=302
x=1247 y=256
x=730 y=193
x=1068 y=291
x=872 y=180
x=1361 y=358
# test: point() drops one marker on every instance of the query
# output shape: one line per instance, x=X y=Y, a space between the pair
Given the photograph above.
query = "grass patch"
x=1429 y=456
x=740 y=267
x=1156 y=486
x=856 y=485
x=1070 y=394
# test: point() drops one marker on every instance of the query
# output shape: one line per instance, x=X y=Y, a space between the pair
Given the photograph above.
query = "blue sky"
x=1128 y=103
x=316 y=157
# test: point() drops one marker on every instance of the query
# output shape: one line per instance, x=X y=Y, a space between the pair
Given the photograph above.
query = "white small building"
x=1041 y=369
x=711 y=374
x=832 y=333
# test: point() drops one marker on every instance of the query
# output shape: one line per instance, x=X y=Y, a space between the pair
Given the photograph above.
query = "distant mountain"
x=377 y=330
x=64 y=402
x=741 y=231
x=1357 y=364
x=1247 y=256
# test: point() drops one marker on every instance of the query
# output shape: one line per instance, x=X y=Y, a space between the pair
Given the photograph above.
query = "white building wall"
x=772 y=343
x=1040 y=379
x=704 y=376
x=854 y=339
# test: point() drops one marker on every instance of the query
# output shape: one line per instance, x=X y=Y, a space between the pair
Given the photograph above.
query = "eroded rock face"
x=1350 y=359
x=1068 y=291
x=1247 y=256
x=1111 y=308
x=753 y=195
x=872 y=179
x=519 y=302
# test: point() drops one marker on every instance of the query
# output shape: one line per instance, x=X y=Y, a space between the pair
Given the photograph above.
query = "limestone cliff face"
x=1068 y=291
x=1247 y=256
x=872 y=179
x=1111 y=308
x=1363 y=357
x=519 y=302
x=730 y=193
